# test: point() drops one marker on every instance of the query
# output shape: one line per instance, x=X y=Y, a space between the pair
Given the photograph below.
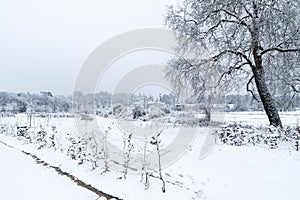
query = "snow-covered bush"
x=233 y=135
x=287 y=134
x=77 y=150
x=3 y=129
x=51 y=143
x=122 y=112
x=103 y=113
x=156 y=111
x=273 y=136
x=95 y=149
x=185 y=119
x=237 y=135
x=255 y=137
x=117 y=109
x=72 y=150
x=40 y=139
x=296 y=138
x=21 y=131
x=138 y=112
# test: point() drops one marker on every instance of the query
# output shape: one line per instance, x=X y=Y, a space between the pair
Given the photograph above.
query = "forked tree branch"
x=251 y=91
x=231 y=69
x=236 y=53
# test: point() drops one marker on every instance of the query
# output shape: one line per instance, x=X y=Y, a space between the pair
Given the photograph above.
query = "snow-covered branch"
x=280 y=50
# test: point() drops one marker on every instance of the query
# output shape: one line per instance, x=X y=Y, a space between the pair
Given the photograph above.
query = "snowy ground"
x=229 y=172
x=22 y=178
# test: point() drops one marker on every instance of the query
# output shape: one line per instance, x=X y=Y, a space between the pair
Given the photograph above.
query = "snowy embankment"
x=229 y=172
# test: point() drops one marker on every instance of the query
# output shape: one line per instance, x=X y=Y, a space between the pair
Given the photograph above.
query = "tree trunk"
x=266 y=98
x=259 y=75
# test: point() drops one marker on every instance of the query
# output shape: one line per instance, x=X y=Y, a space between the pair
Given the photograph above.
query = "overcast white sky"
x=43 y=43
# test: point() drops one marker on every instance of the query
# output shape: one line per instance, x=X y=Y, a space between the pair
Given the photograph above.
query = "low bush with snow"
x=237 y=135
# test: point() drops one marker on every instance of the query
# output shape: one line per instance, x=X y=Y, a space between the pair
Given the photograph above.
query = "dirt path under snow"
x=66 y=174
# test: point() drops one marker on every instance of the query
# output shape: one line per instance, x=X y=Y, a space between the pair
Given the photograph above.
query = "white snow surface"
x=22 y=178
x=229 y=172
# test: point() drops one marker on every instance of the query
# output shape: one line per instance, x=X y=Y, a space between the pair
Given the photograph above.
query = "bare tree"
x=243 y=37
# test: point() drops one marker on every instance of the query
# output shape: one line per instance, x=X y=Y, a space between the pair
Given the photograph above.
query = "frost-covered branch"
x=280 y=50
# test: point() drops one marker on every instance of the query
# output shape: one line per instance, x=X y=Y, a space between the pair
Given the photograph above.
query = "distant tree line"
x=247 y=103
x=46 y=102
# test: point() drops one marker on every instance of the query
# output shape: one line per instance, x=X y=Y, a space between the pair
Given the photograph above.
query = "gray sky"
x=43 y=43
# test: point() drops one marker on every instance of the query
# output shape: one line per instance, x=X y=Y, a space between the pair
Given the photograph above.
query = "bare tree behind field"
x=256 y=40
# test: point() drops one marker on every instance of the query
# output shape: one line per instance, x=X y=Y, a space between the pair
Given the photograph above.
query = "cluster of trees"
x=26 y=102
x=101 y=100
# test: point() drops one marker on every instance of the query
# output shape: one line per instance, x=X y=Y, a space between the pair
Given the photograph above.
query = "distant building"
x=179 y=107
x=231 y=106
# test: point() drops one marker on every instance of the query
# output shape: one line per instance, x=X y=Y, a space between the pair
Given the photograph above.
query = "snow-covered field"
x=261 y=119
x=228 y=172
